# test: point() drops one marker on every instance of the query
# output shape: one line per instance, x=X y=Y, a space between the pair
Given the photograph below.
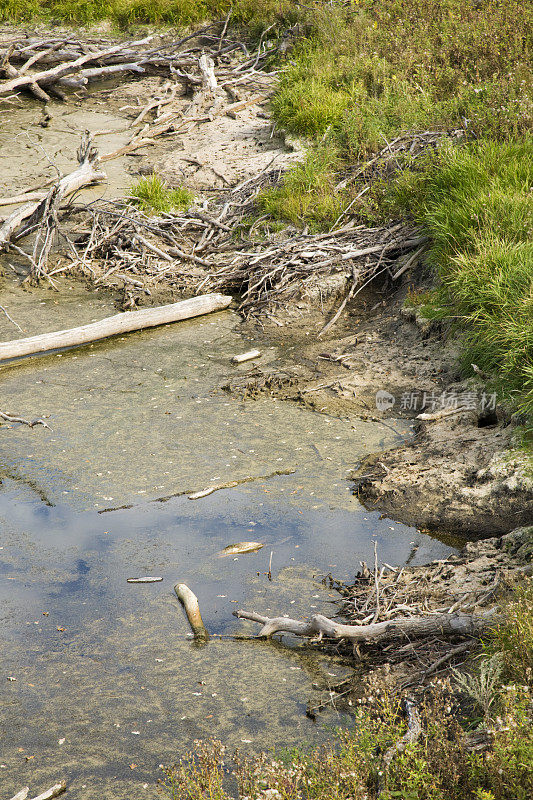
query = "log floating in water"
x=54 y=791
x=146 y=579
x=189 y=601
x=22 y=795
x=241 y=547
x=112 y=326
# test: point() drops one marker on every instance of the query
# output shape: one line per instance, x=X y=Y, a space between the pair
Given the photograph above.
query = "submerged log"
x=189 y=601
x=319 y=626
x=112 y=326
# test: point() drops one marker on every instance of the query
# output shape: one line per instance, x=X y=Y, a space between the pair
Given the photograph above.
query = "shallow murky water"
x=110 y=667
x=30 y=154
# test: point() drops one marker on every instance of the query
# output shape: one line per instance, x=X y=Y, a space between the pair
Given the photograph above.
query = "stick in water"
x=189 y=601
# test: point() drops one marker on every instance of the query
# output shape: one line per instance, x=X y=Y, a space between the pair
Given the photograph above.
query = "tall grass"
x=125 y=13
x=476 y=204
x=368 y=72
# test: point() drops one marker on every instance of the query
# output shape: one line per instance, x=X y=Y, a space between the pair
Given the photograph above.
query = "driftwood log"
x=53 y=791
x=22 y=421
x=112 y=326
x=189 y=601
x=50 y=76
x=319 y=626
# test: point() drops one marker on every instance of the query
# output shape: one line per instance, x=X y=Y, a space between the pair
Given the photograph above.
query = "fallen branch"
x=10 y=318
x=86 y=173
x=51 y=75
x=54 y=791
x=319 y=626
x=112 y=326
x=414 y=731
x=189 y=601
x=22 y=795
x=10 y=418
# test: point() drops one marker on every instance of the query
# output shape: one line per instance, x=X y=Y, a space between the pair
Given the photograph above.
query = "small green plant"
x=513 y=638
x=199 y=775
x=153 y=195
x=482 y=686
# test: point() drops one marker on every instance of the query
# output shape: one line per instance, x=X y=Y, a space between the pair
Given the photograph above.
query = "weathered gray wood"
x=22 y=795
x=319 y=626
x=207 y=68
x=50 y=75
x=87 y=173
x=54 y=791
x=112 y=326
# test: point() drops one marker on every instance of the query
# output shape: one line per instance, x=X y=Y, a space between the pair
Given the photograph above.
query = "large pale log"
x=318 y=626
x=112 y=326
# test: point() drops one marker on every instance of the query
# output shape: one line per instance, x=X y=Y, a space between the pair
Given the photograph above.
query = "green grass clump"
x=475 y=203
x=154 y=196
x=306 y=195
x=125 y=13
x=513 y=638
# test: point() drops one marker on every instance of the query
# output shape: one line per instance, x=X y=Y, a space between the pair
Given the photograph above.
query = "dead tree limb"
x=189 y=601
x=10 y=418
x=319 y=626
x=414 y=729
x=54 y=791
x=112 y=326
x=413 y=733
x=49 y=76
x=32 y=213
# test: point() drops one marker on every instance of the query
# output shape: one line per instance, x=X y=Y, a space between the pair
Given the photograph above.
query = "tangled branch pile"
x=199 y=251
x=70 y=64
x=211 y=246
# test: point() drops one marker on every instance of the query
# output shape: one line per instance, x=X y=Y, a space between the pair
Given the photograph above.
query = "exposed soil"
x=459 y=473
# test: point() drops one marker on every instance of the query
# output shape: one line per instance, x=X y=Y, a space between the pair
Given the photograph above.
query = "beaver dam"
x=158 y=454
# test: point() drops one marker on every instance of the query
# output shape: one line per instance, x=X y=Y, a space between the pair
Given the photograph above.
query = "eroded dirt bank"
x=460 y=473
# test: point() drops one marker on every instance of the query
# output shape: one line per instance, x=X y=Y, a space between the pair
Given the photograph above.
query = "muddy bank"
x=477 y=581
x=460 y=472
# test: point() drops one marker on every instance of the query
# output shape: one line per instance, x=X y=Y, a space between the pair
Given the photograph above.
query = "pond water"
x=108 y=683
